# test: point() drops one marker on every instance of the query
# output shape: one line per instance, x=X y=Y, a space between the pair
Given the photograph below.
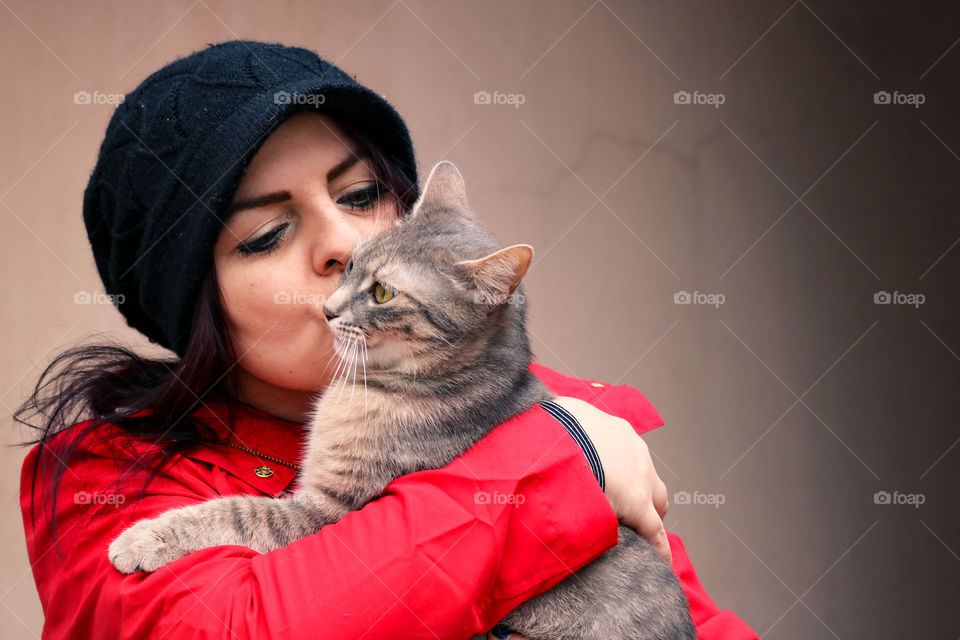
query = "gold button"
x=596 y=384
x=263 y=472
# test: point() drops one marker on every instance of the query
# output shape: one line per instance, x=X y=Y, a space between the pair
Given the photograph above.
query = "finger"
x=660 y=498
x=666 y=553
x=651 y=528
x=662 y=545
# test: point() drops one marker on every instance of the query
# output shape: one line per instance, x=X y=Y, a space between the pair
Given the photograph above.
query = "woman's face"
x=304 y=202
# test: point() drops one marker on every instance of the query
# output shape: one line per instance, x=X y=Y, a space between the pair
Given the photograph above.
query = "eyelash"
x=270 y=241
x=265 y=244
x=372 y=194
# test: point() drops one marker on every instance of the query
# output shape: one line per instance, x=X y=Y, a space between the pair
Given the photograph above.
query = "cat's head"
x=433 y=288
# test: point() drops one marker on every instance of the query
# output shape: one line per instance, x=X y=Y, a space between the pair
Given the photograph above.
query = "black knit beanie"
x=173 y=156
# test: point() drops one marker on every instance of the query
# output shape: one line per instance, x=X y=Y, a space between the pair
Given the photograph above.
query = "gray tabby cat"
x=428 y=309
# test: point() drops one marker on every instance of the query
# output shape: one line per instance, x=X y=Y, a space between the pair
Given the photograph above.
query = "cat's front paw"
x=146 y=546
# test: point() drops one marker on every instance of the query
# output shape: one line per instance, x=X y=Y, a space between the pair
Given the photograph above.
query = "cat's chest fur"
x=361 y=437
x=364 y=435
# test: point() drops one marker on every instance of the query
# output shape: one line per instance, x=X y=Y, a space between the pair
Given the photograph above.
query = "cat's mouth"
x=350 y=339
x=372 y=351
x=348 y=332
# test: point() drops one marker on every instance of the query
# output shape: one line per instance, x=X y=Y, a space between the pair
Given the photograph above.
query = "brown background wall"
x=797 y=199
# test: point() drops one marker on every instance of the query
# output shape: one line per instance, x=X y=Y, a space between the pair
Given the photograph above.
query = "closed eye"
x=264 y=243
x=364 y=198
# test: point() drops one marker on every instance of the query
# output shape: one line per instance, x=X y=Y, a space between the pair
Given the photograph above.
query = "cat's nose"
x=329 y=315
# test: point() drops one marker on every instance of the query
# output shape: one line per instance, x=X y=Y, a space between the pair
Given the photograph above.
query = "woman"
x=229 y=191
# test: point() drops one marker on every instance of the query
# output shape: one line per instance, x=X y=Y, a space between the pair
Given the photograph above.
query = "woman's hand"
x=636 y=493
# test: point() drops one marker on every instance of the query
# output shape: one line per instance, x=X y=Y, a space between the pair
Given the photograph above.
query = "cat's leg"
x=260 y=523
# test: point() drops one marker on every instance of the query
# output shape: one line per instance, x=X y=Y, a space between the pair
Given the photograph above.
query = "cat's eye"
x=383 y=293
x=349 y=266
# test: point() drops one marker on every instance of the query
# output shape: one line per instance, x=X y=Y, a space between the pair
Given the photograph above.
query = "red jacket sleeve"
x=711 y=622
x=444 y=553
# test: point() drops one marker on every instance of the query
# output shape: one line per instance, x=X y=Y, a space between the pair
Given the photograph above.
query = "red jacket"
x=429 y=559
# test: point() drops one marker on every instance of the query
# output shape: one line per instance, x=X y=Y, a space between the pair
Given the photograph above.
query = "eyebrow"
x=355 y=156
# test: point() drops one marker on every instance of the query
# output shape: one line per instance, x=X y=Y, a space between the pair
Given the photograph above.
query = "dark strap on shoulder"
x=579 y=435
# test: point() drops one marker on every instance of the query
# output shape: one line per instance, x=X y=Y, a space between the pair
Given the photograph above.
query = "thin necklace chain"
x=265 y=456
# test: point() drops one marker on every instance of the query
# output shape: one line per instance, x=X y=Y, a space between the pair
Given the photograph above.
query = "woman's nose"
x=335 y=241
x=332 y=264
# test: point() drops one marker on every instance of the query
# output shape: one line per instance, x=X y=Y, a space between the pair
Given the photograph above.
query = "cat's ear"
x=443 y=192
x=495 y=277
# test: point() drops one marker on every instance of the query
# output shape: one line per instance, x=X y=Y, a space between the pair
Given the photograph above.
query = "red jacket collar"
x=278 y=444
x=278 y=439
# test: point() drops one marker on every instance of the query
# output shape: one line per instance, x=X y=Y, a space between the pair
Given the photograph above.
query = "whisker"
x=343 y=378
x=364 y=361
x=353 y=383
x=342 y=358
x=444 y=339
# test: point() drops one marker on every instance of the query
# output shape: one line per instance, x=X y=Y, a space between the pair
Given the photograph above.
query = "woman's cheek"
x=278 y=329
x=291 y=351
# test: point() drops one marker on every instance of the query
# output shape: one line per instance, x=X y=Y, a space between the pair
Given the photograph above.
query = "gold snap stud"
x=596 y=384
x=263 y=472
